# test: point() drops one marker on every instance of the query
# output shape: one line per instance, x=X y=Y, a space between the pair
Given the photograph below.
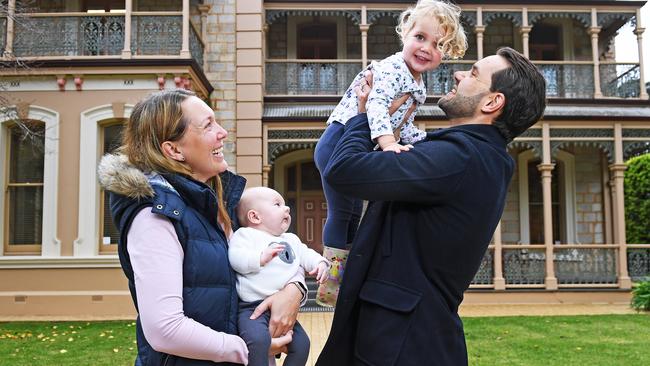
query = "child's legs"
x=298 y=348
x=342 y=212
x=255 y=333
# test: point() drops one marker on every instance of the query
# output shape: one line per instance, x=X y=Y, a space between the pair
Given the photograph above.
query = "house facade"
x=273 y=71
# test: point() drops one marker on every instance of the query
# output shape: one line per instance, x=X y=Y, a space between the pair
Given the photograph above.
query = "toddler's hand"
x=322 y=272
x=397 y=148
x=270 y=252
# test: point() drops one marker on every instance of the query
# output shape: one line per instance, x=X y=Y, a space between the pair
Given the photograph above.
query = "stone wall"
x=510 y=217
x=589 y=196
x=383 y=40
x=220 y=69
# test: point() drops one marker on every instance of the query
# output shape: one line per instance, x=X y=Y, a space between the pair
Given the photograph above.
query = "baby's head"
x=263 y=208
x=430 y=31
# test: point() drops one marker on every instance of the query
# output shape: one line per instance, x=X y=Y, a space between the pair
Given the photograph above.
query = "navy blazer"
x=434 y=210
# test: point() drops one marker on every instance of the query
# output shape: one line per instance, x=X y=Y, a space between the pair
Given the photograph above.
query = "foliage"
x=641 y=296
x=637 y=200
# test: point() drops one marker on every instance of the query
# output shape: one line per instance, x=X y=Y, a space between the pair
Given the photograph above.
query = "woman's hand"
x=284 y=306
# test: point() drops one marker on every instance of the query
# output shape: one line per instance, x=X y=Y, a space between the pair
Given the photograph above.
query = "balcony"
x=82 y=35
x=565 y=79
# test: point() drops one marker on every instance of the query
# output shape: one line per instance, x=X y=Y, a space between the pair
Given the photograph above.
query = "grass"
x=560 y=340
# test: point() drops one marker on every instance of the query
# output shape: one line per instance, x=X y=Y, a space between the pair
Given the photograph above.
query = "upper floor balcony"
x=64 y=30
x=318 y=52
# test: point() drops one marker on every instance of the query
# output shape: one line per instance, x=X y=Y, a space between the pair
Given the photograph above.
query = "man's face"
x=472 y=88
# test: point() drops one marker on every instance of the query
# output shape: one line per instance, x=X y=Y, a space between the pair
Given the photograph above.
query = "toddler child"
x=266 y=258
x=429 y=31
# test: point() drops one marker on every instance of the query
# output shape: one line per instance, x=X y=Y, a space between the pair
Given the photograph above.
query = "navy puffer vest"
x=209 y=294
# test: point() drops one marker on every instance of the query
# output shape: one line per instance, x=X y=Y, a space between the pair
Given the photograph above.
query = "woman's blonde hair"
x=454 y=43
x=154 y=120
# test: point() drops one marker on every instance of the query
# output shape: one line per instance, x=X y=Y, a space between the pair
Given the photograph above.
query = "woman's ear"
x=495 y=103
x=170 y=149
x=253 y=217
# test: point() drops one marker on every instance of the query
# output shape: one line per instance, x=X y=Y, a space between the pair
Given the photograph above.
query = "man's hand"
x=270 y=252
x=284 y=306
x=322 y=272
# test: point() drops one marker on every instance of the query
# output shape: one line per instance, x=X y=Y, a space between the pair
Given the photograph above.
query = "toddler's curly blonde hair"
x=454 y=43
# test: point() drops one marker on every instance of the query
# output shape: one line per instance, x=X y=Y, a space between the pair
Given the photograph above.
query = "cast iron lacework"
x=156 y=35
x=485 y=276
x=583 y=18
x=635 y=148
x=374 y=15
x=638 y=264
x=277 y=149
x=3 y=33
x=585 y=266
x=606 y=19
x=524 y=266
x=636 y=132
x=582 y=132
x=620 y=80
x=607 y=147
x=309 y=78
x=69 y=36
x=273 y=15
x=489 y=16
x=469 y=19
x=536 y=146
x=196 y=47
x=532 y=132
x=568 y=81
x=294 y=134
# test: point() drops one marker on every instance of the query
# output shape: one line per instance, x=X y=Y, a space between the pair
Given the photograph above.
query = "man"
x=433 y=211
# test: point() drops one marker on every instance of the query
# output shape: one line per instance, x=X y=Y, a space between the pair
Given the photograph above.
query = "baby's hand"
x=322 y=272
x=389 y=143
x=270 y=252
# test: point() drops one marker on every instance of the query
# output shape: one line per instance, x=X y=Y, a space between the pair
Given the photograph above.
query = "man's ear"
x=170 y=149
x=495 y=103
x=253 y=217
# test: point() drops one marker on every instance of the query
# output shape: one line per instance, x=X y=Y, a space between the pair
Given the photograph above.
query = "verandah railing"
x=565 y=79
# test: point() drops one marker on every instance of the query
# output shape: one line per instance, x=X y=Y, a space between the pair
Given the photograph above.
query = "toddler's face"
x=420 y=50
x=274 y=215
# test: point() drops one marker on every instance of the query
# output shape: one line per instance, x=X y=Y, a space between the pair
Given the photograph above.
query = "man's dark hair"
x=525 y=90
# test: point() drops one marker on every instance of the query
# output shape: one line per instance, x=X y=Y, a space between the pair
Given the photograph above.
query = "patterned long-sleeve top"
x=391 y=80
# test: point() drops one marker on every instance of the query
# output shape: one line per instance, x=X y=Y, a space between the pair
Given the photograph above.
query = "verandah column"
x=594 y=31
x=9 y=42
x=185 y=45
x=639 y=38
x=525 y=31
x=498 y=280
x=618 y=173
x=479 y=30
x=128 y=9
x=364 y=27
x=546 y=169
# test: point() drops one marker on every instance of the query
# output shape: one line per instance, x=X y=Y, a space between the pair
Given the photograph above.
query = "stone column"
x=546 y=169
x=479 y=30
x=618 y=172
x=594 y=31
x=185 y=45
x=364 y=27
x=498 y=280
x=9 y=41
x=128 y=9
x=204 y=9
x=639 y=37
x=250 y=86
x=525 y=31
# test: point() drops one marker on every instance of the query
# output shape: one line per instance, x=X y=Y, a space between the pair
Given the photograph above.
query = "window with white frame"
x=111 y=136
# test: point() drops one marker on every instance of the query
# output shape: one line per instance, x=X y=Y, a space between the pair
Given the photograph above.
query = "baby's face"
x=420 y=51
x=274 y=215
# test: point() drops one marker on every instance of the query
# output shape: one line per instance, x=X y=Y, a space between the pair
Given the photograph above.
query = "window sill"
x=30 y=261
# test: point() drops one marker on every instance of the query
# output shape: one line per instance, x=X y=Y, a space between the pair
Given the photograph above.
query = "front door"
x=311 y=217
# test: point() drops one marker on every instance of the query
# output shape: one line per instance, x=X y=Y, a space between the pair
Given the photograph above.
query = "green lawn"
x=564 y=340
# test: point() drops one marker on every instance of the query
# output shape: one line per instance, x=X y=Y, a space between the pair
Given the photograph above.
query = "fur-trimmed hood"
x=116 y=174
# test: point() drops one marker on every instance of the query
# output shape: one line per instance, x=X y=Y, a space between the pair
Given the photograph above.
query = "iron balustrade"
x=3 y=35
x=568 y=80
x=310 y=77
x=621 y=80
x=156 y=35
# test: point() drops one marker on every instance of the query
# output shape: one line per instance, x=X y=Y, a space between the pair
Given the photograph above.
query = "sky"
x=626 y=43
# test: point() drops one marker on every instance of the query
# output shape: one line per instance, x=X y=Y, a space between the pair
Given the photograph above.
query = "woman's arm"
x=157 y=259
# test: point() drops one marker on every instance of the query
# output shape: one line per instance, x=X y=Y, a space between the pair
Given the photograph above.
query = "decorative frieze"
x=606 y=19
x=636 y=132
x=489 y=16
x=582 y=132
x=294 y=134
x=374 y=15
x=607 y=147
x=273 y=15
x=583 y=18
x=277 y=149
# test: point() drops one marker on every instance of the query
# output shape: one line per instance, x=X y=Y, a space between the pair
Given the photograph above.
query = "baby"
x=267 y=258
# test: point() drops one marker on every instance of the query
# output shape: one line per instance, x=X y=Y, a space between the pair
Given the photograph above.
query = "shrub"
x=641 y=296
x=637 y=200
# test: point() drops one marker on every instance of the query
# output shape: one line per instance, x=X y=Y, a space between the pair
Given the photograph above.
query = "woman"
x=173 y=235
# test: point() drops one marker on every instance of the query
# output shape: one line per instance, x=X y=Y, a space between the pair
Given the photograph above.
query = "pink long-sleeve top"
x=157 y=259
